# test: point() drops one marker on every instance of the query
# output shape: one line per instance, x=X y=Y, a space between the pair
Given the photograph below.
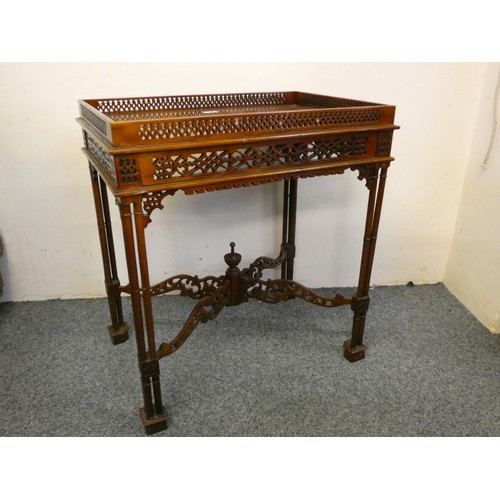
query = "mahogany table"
x=144 y=149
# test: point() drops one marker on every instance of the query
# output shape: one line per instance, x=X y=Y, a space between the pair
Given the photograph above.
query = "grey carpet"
x=257 y=370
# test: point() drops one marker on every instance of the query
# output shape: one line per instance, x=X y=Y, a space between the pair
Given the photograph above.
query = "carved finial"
x=232 y=259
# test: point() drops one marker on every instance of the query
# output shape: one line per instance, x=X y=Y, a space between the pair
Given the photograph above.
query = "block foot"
x=154 y=424
x=120 y=335
x=354 y=353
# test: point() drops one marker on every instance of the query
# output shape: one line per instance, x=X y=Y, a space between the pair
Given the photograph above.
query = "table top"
x=197 y=143
x=172 y=120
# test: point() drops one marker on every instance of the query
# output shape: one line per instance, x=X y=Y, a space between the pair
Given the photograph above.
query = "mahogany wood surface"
x=146 y=148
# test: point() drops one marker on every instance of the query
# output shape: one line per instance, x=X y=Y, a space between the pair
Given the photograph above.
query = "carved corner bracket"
x=367 y=173
x=153 y=200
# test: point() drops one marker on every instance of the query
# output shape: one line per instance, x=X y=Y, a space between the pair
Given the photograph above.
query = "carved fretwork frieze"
x=276 y=177
x=129 y=174
x=384 y=143
x=185 y=165
x=104 y=159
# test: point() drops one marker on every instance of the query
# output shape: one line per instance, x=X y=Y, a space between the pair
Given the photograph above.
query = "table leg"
x=354 y=349
x=289 y=223
x=118 y=330
x=153 y=414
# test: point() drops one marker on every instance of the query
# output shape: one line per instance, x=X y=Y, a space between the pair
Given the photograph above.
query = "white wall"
x=46 y=209
x=473 y=271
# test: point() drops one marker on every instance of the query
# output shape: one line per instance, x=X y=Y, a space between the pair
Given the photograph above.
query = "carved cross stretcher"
x=145 y=149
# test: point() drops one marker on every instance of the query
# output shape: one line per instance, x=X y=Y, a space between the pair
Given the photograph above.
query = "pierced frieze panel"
x=128 y=171
x=104 y=158
x=255 y=123
x=337 y=148
x=384 y=143
x=221 y=161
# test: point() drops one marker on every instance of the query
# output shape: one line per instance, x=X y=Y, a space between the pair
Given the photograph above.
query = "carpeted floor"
x=256 y=370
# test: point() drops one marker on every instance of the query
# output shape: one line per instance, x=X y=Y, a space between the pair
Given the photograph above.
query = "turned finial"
x=232 y=259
